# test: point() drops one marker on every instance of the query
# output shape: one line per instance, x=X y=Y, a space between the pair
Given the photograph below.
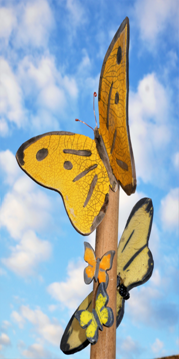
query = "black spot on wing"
x=86 y=153
x=122 y=164
x=108 y=108
x=42 y=154
x=92 y=186
x=119 y=55
x=67 y=165
x=84 y=173
x=116 y=98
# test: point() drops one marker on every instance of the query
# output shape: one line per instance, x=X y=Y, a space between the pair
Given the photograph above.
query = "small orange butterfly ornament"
x=82 y=169
x=97 y=268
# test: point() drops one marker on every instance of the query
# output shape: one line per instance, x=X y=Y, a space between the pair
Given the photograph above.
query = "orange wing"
x=105 y=265
x=89 y=257
x=113 y=109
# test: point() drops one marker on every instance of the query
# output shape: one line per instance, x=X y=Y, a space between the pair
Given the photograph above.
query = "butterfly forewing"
x=89 y=257
x=70 y=164
x=113 y=109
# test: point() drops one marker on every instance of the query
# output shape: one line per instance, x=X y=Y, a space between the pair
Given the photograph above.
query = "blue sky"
x=50 y=62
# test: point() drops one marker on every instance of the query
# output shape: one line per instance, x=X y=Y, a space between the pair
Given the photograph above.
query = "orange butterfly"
x=97 y=268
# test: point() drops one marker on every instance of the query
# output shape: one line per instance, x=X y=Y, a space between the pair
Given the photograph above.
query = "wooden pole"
x=106 y=240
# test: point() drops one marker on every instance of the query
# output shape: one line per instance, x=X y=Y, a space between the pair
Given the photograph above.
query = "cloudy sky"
x=50 y=62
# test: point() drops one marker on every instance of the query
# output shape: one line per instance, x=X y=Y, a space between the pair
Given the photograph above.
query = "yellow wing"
x=104 y=313
x=70 y=164
x=113 y=109
x=134 y=259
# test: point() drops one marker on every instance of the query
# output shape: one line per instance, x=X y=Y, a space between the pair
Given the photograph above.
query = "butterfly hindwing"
x=101 y=315
x=134 y=259
x=74 y=337
x=69 y=164
x=113 y=109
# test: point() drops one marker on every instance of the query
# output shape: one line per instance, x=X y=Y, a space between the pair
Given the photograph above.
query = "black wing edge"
x=20 y=151
x=120 y=314
x=116 y=36
x=149 y=209
x=63 y=344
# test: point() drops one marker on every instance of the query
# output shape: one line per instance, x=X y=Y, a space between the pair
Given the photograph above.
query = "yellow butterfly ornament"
x=82 y=169
x=100 y=316
x=134 y=267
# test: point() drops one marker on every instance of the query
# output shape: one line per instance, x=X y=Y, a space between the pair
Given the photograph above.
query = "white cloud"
x=6 y=324
x=35 y=21
x=11 y=108
x=24 y=208
x=7 y=22
x=176 y=160
x=2 y=271
x=126 y=204
x=170 y=210
x=157 y=346
x=154 y=241
x=76 y=12
x=140 y=304
x=42 y=82
x=129 y=348
x=156 y=279
x=49 y=330
x=9 y=166
x=128 y=344
x=155 y=16
x=26 y=255
x=18 y=319
x=73 y=291
x=4 y=129
x=149 y=126
x=52 y=307
x=4 y=339
x=35 y=351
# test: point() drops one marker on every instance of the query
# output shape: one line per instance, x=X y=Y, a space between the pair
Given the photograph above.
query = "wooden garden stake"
x=106 y=240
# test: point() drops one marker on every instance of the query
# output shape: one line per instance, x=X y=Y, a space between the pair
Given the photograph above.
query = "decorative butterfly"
x=101 y=315
x=134 y=267
x=97 y=267
x=82 y=169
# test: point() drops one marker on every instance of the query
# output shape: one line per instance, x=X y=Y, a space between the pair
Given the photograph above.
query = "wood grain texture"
x=106 y=240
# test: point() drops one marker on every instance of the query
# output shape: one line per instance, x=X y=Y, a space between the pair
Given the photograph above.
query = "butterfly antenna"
x=94 y=95
x=84 y=123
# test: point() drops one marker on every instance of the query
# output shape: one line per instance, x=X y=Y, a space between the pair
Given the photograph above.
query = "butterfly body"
x=101 y=315
x=97 y=267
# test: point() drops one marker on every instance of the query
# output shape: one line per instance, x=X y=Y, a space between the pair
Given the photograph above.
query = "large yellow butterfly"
x=101 y=315
x=134 y=267
x=82 y=169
